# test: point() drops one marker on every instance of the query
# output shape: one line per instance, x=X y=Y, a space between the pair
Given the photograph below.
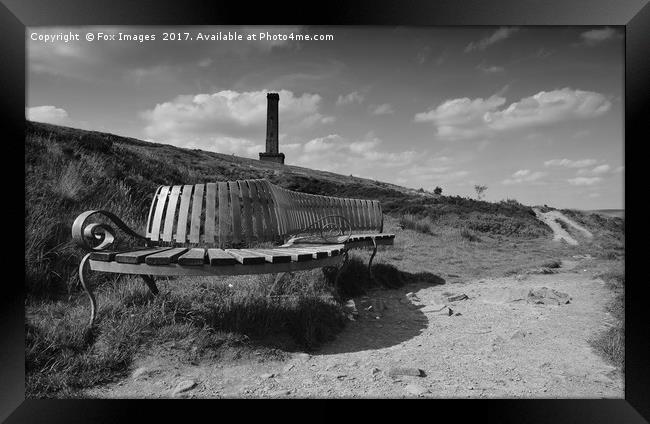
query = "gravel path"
x=550 y=218
x=495 y=344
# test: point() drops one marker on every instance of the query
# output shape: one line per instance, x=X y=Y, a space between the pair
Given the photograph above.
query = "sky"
x=533 y=113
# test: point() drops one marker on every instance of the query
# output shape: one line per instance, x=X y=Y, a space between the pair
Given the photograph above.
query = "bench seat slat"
x=273 y=256
x=247 y=258
x=194 y=256
x=165 y=257
x=297 y=256
x=137 y=256
x=218 y=257
x=314 y=252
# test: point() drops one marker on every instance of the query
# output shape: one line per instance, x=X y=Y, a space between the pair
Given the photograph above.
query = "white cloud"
x=460 y=118
x=600 y=169
x=495 y=37
x=423 y=54
x=597 y=36
x=568 y=163
x=489 y=69
x=593 y=195
x=339 y=154
x=383 y=109
x=354 y=97
x=584 y=181
x=219 y=121
x=524 y=176
x=467 y=118
x=48 y=115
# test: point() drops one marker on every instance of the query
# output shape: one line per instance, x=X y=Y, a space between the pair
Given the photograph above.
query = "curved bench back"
x=244 y=212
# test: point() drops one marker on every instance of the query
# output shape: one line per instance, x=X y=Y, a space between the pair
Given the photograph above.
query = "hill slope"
x=68 y=171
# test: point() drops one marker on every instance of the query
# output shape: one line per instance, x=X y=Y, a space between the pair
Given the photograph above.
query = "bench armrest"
x=96 y=236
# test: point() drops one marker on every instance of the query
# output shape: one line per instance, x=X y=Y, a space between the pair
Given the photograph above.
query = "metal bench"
x=217 y=229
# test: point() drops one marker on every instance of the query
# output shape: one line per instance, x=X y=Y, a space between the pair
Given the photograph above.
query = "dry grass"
x=611 y=343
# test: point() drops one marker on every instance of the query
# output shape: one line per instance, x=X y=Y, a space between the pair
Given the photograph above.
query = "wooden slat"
x=274 y=256
x=282 y=210
x=351 y=215
x=194 y=256
x=311 y=215
x=247 y=212
x=157 y=218
x=298 y=255
x=375 y=208
x=224 y=212
x=362 y=218
x=218 y=257
x=236 y=212
x=170 y=214
x=264 y=206
x=246 y=258
x=105 y=256
x=273 y=223
x=366 y=211
x=210 y=213
x=197 y=206
x=166 y=257
x=256 y=209
x=370 y=214
x=154 y=201
x=314 y=252
x=181 y=226
x=137 y=256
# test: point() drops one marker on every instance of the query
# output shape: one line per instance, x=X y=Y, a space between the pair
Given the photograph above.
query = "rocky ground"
x=523 y=336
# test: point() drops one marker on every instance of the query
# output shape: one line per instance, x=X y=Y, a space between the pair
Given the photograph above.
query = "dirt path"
x=550 y=218
x=494 y=345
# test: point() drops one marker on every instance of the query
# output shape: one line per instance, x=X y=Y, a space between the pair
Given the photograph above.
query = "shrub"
x=411 y=222
x=469 y=235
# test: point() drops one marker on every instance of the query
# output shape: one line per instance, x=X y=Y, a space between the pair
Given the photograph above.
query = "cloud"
x=600 y=169
x=383 y=109
x=336 y=153
x=423 y=54
x=460 y=118
x=568 y=163
x=48 y=115
x=466 y=118
x=219 y=121
x=597 y=36
x=493 y=69
x=499 y=35
x=584 y=181
x=524 y=176
x=353 y=97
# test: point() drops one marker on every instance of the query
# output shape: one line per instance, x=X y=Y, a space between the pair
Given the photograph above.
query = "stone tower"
x=272 y=154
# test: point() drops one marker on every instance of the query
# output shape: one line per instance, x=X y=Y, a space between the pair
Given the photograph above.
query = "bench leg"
x=83 y=269
x=338 y=273
x=374 y=252
x=151 y=283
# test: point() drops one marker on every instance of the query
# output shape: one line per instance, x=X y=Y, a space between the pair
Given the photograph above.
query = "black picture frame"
x=634 y=15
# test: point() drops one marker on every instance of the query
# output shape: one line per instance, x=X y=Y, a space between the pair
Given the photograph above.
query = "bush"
x=411 y=222
x=469 y=235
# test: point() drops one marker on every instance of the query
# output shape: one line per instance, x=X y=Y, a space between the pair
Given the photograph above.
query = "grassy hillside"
x=68 y=171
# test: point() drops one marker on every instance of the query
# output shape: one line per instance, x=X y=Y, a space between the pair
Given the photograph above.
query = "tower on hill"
x=272 y=154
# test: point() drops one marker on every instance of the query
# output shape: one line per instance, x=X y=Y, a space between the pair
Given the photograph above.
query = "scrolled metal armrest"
x=96 y=236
